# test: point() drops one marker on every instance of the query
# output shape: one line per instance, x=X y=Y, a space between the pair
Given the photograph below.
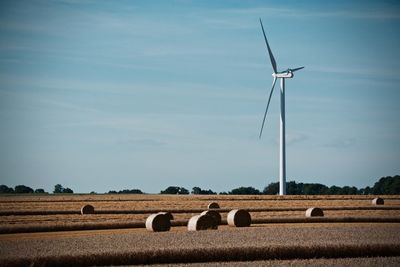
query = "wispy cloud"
x=354 y=70
x=381 y=14
x=294 y=138
x=146 y=143
x=342 y=143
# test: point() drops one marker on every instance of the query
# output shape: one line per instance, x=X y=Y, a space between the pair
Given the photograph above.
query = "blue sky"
x=107 y=95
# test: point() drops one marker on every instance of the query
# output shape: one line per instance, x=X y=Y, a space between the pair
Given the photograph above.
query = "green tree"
x=183 y=191
x=198 y=191
x=334 y=190
x=244 y=191
x=175 y=190
x=22 y=189
x=367 y=191
x=315 y=189
x=40 y=191
x=130 y=191
x=387 y=186
x=294 y=189
x=58 y=189
x=68 y=191
x=6 y=190
x=171 y=190
x=271 y=189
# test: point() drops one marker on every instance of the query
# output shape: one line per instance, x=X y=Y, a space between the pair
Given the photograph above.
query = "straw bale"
x=158 y=222
x=239 y=218
x=168 y=214
x=378 y=201
x=213 y=205
x=213 y=213
x=87 y=209
x=314 y=212
x=202 y=222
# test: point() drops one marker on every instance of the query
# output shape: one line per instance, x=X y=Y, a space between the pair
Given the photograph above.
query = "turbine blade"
x=266 y=110
x=271 y=56
x=296 y=69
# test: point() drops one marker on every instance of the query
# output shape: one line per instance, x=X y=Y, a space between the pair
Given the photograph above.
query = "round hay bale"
x=213 y=205
x=158 y=222
x=202 y=222
x=168 y=214
x=213 y=213
x=378 y=201
x=87 y=209
x=314 y=212
x=239 y=218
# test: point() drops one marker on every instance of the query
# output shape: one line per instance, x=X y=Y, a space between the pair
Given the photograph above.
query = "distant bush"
x=198 y=191
x=175 y=190
x=245 y=191
x=126 y=191
x=20 y=189
x=68 y=191
x=40 y=191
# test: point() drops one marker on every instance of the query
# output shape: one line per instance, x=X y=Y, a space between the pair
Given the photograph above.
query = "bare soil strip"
x=248 y=244
x=194 y=210
x=8 y=229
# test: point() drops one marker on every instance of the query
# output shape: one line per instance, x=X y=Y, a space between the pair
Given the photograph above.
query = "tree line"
x=23 y=189
x=384 y=186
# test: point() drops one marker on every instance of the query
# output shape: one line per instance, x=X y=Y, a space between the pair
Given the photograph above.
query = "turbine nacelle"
x=286 y=74
x=283 y=75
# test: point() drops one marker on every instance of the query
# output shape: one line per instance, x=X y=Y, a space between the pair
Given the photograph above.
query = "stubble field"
x=49 y=230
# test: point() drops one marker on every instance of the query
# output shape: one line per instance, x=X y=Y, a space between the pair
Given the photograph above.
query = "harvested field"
x=143 y=202
x=351 y=227
x=256 y=243
x=46 y=213
x=349 y=262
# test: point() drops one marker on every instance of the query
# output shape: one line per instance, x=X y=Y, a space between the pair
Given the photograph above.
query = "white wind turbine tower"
x=282 y=152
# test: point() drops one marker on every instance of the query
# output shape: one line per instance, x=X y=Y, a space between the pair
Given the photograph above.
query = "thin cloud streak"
x=357 y=71
x=387 y=14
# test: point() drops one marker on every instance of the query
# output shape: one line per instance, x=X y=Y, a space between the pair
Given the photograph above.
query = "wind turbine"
x=282 y=151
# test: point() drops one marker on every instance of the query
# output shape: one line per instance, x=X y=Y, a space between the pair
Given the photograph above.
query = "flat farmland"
x=47 y=230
